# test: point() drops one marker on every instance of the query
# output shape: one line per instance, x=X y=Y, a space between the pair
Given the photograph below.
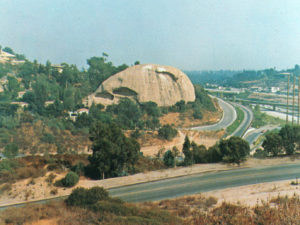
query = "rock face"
x=163 y=85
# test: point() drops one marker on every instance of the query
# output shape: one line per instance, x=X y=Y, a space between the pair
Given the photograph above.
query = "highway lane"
x=253 y=135
x=229 y=116
x=204 y=182
x=248 y=117
x=251 y=138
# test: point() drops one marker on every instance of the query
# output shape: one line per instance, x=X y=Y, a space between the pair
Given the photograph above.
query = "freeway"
x=229 y=116
x=245 y=124
x=254 y=134
x=187 y=185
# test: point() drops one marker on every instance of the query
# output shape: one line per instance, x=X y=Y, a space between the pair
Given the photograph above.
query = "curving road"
x=229 y=116
x=254 y=134
x=204 y=182
x=248 y=117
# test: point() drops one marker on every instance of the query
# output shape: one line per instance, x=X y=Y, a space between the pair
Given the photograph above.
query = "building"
x=22 y=104
x=21 y=94
x=6 y=57
x=59 y=68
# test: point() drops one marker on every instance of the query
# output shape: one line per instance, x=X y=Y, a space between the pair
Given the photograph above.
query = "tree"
x=176 y=153
x=99 y=70
x=11 y=150
x=289 y=137
x=186 y=149
x=84 y=197
x=128 y=113
x=234 y=149
x=113 y=152
x=8 y=50
x=70 y=179
x=273 y=143
x=68 y=99
x=151 y=109
x=169 y=159
x=199 y=153
x=167 y=132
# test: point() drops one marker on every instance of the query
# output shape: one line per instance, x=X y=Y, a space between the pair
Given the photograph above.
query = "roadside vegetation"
x=95 y=206
x=286 y=141
x=261 y=119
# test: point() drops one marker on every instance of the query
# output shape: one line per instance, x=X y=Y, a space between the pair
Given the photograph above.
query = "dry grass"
x=186 y=119
x=191 y=210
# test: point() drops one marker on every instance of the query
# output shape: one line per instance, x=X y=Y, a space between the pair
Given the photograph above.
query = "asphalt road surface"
x=253 y=135
x=198 y=183
x=229 y=116
x=248 y=117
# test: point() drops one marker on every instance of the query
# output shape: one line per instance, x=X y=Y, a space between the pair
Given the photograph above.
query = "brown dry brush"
x=279 y=211
x=182 y=211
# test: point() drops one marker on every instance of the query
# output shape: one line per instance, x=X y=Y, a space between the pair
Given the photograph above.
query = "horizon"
x=192 y=36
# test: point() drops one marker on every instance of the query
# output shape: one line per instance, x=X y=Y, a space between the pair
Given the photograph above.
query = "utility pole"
x=287 y=100
x=298 y=100
x=293 y=99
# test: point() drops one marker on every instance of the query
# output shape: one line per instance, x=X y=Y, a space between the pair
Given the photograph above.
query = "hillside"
x=46 y=102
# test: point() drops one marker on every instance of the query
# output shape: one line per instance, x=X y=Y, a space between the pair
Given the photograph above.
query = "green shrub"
x=83 y=197
x=69 y=180
x=260 y=153
x=197 y=113
x=169 y=159
x=78 y=168
x=11 y=150
x=77 y=197
x=167 y=132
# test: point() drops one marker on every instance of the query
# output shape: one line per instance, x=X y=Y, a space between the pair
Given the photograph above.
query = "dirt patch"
x=206 y=138
x=43 y=222
x=256 y=194
x=186 y=119
x=153 y=145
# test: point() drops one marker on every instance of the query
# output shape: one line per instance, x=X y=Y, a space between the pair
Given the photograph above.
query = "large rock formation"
x=164 y=85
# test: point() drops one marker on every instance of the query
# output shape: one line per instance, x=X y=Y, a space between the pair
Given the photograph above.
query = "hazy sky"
x=191 y=34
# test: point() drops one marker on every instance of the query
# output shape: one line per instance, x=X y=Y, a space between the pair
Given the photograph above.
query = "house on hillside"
x=73 y=115
x=21 y=94
x=21 y=104
x=58 y=67
x=47 y=103
x=6 y=57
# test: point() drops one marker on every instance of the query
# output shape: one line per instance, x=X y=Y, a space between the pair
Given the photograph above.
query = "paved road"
x=198 y=183
x=229 y=116
x=253 y=135
x=248 y=117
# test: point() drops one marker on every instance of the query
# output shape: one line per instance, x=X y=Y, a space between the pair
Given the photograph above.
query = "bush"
x=169 y=159
x=167 y=132
x=78 y=168
x=83 y=197
x=70 y=180
x=197 y=113
x=11 y=150
x=260 y=154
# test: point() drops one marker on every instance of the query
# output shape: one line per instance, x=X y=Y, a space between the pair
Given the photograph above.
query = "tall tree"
x=234 y=149
x=113 y=152
x=288 y=136
x=186 y=149
x=273 y=143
